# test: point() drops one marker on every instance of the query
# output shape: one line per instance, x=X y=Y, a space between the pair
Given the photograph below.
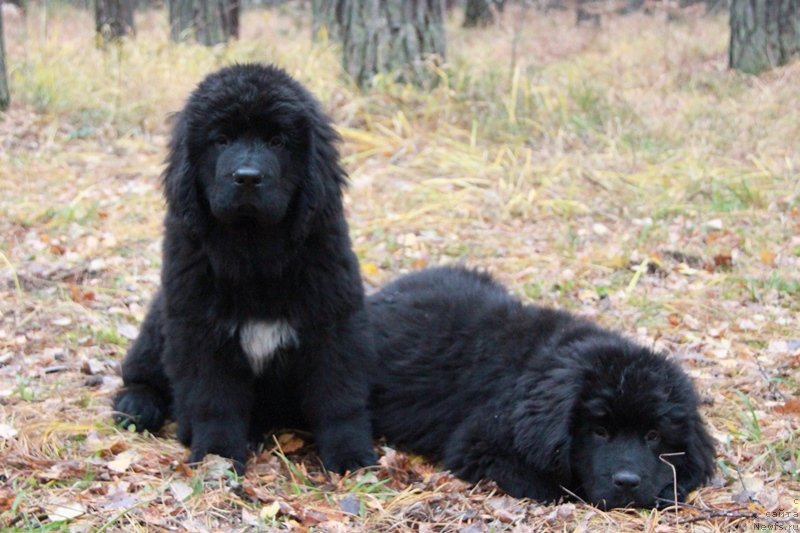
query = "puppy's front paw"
x=208 y=439
x=142 y=406
x=345 y=447
x=341 y=461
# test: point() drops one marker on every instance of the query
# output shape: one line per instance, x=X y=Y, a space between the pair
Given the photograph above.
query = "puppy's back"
x=449 y=340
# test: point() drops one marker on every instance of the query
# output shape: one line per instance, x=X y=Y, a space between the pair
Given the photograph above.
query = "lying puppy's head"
x=252 y=148
x=613 y=420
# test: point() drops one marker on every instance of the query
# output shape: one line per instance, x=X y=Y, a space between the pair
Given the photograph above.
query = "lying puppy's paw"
x=141 y=406
x=666 y=498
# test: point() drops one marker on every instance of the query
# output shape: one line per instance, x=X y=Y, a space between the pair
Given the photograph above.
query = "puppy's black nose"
x=248 y=177
x=626 y=480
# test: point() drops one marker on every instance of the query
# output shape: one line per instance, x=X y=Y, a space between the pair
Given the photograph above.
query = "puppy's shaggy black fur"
x=532 y=398
x=260 y=320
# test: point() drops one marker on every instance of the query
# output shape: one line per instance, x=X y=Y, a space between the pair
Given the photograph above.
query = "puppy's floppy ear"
x=542 y=421
x=699 y=465
x=320 y=196
x=181 y=181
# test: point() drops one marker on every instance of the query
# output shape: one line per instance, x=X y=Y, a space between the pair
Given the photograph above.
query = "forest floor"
x=620 y=172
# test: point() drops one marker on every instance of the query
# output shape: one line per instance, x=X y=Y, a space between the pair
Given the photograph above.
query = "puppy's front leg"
x=213 y=391
x=335 y=395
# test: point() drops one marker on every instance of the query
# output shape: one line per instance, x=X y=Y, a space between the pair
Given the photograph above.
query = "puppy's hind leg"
x=144 y=401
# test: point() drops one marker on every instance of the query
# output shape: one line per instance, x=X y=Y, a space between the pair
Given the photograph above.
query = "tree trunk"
x=631 y=6
x=386 y=36
x=764 y=33
x=209 y=22
x=478 y=13
x=4 y=95
x=113 y=19
x=327 y=14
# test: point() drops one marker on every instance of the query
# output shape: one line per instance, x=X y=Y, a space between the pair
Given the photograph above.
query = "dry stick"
x=706 y=513
x=674 y=477
x=715 y=513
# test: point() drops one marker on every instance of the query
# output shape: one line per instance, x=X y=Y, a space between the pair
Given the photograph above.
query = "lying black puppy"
x=541 y=402
x=260 y=320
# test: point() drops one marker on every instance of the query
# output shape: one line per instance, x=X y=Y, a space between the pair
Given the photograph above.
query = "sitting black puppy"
x=541 y=402
x=260 y=321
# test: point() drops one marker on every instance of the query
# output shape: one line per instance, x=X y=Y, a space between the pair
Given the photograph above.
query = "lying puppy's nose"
x=626 y=480
x=248 y=177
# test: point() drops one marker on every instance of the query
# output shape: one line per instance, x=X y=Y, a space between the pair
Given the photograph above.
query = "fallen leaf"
x=290 y=442
x=129 y=331
x=350 y=505
x=791 y=406
x=180 y=490
x=122 y=462
x=66 y=511
x=269 y=512
x=369 y=269
x=93 y=366
x=7 y=432
x=723 y=261
x=745 y=324
x=767 y=257
x=312 y=517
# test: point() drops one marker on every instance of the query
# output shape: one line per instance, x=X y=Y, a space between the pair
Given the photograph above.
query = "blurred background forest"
x=600 y=156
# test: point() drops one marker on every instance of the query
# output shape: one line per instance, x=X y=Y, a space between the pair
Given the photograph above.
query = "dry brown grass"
x=622 y=173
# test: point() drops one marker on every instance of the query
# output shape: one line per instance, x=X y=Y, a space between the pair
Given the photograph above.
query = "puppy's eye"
x=600 y=432
x=221 y=140
x=652 y=436
x=278 y=141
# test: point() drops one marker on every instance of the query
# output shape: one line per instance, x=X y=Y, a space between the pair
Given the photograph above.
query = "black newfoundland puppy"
x=260 y=320
x=545 y=404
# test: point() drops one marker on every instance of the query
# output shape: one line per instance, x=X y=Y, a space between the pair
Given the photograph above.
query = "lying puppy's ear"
x=180 y=181
x=542 y=422
x=321 y=193
x=700 y=453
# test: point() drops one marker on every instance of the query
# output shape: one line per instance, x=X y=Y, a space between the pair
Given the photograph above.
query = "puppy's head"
x=251 y=148
x=627 y=427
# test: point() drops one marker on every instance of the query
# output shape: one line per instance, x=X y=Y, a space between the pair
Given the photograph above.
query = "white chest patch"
x=261 y=340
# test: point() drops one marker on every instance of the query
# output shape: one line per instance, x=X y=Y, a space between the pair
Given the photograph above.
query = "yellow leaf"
x=269 y=512
x=122 y=462
x=369 y=269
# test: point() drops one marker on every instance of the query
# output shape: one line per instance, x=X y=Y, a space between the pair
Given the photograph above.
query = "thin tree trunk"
x=631 y=6
x=390 y=36
x=209 y=22
x=5 y=98
x=327 y=14
x=478 y=13
x=114 y=19
x=764 y=33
